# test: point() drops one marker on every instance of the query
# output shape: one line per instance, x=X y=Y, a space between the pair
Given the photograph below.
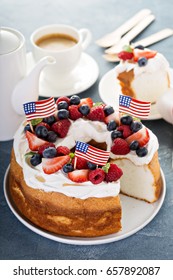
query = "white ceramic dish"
x=109 y=90
x=83 y=77
x=136 y=215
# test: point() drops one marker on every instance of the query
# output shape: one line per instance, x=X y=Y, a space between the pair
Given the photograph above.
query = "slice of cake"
x=76 y=195
x=143 y=73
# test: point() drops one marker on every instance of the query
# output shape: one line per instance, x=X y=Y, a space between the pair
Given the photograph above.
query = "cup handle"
x=86 y=37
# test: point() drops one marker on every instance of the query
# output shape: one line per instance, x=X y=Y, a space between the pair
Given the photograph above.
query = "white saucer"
x=136 y=215
x=84 y=76
x=109 y=90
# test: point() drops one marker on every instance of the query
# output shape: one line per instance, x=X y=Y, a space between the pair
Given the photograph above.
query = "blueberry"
x=142 y=152
x=41 y=131
x=126 y=120
x=27 y=128
x=142 y=61
x=91 y=166
x=63 y=114
x=108 y=110
x=140 y=47
x=51 y=137
x=35 y=159
x=134 y=145
x=49 y=120
x=116 y=134
x=50 y=152
x=74 y=100
x=68 y=167
x=84 y=109
x=135 y=126
x=111 y=125
x=62 y=105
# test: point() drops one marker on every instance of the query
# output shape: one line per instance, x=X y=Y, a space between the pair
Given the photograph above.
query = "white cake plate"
x=136 y=215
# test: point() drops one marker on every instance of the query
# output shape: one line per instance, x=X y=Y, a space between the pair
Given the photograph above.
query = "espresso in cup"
x=56 y=42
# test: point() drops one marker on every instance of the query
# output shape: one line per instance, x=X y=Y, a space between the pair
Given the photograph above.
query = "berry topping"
x=125 y=55
x=74 y=100
x=52 y=136
x=45 y=146
x=111 y=125
x=49 y=120
x=41 y=131
x=134 y=145
x=126 y=120
x=126 y=131
x=114 y=116
x=135 y=126
x=120 y=147
x=44 y=124
x=84 y=109
x=108 y=110
x=86 y=101
x=34 y=142
x=79 y=176
x=35 y=159
x=62 y=105
x=81 y=163
x=96 y=176
x=142 y=61
x=68 y=168
x=116 y=134
x=63 y=98
x=114 y=173
x=63 y=114
x=74 y=113
x=62 y=151
x=61 y=127
x=140 y=47
x=143 y=53
x=52 y=165
x=91 y=165
x=142 y=152
x=27 y=128
x=142 y=136
x=96 y=114
x=49 y=152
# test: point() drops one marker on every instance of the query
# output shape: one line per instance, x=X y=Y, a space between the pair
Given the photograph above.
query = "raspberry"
x=120 y=147
x=81 y=163
x=125 y=130
x=125 y=55
x=97 y=114
x=62 y=150
x=45 y=146
x=114 y=173
x=74 y=112
x=61 y=127
x=63 y=98
x=96 y=176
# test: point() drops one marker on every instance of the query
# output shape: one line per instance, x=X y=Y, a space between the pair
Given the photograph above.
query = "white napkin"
x=165 y=106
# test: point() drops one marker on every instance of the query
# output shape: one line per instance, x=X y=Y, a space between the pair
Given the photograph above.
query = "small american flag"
x=39 y=109
x=137 y=108
x=91 y=153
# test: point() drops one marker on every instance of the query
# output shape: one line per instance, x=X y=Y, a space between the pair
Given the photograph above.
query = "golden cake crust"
x=58 y=213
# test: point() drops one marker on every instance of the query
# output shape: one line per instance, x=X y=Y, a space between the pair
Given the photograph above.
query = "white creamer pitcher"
x=15 y=88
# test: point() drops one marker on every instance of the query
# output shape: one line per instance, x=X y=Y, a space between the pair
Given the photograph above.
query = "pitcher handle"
x=86 y=36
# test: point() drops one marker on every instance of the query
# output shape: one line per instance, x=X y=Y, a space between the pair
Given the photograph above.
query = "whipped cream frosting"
x=81 y=130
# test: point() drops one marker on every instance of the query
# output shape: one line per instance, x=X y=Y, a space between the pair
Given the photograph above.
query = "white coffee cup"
x=66 y=58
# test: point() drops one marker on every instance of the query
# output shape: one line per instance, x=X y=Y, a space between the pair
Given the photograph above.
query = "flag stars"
x=29 y=107
x=83 y=147
x=125 y=100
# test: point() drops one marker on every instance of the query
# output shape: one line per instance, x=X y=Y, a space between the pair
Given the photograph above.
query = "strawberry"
x=63 y=150
x=142 y=136
x=96 y=114
x=143 y=53
x=34 y=142
x=79 y=176
x=61 y=127
x=120 y=147
x=88 y=101
x=81 y=163
x=114 y=116
x=114 y=173
x=52 y=165
x=125 y=130
x=45 y=146
x=125 y=55
x=63 y=98
x=74 y=113
x=96 y=176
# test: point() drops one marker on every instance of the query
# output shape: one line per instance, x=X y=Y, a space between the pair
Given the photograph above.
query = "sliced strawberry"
x=52 y=165
x=142 y=136
x=125 y=55
x=114 y=116
x=88 y=101
x=143 y=53
x=34 y=142
x=79 y=176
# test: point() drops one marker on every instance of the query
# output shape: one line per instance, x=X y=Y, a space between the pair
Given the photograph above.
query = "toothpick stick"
x=75 y=162
x=30 y=124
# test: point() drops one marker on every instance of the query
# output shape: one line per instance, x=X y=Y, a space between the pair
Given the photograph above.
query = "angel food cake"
x=143 y=73
x=64 y=192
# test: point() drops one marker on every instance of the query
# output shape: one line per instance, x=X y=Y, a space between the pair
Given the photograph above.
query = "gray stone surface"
x=155 y=241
